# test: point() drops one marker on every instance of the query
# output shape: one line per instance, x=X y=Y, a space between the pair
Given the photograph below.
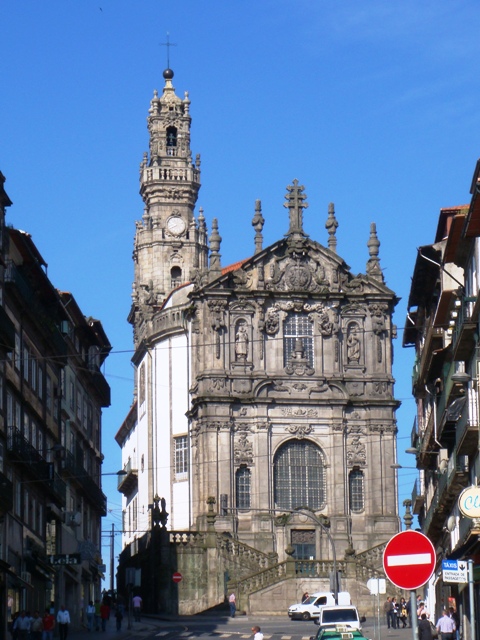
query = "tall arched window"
x=297 y=326
x=299 y=476
x=242 y=488
x=356 y=493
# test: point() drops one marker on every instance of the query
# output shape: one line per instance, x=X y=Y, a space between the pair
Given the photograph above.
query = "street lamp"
x=122 y=472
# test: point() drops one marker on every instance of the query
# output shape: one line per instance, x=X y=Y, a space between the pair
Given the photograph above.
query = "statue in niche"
x=241 y=343
x=353 y=345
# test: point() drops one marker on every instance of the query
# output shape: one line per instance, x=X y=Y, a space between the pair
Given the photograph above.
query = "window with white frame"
x=181 y=457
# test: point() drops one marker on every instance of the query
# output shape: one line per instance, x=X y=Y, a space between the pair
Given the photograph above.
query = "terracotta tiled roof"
x=234 y=266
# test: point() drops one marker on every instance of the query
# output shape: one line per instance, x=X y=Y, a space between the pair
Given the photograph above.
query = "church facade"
x=264 y=401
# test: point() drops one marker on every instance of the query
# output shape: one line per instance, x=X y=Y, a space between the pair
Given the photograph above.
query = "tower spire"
x=373 y=265
x=257 y=223
x=331 y=226
x=170 y=248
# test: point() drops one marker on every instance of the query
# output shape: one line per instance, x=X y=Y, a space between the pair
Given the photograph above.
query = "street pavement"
x=224 y=628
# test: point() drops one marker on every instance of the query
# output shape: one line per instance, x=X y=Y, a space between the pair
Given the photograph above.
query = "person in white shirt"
x=90 y=615
x=232 y=602
x=137 y=607
x=446 y=626
x=257 y=633
x=63 y=620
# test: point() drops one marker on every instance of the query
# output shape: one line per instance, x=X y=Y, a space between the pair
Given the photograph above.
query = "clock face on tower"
x=176 y=225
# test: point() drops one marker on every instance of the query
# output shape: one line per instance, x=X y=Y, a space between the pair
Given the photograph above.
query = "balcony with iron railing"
x=467 y=428
x=128 y=481
x=463 y=337
x=434 y=340
x=33 y=462
x=101 y=385
x=6 y=494
x=20 y=451
x=449 y=484
x=431 y=522
x=76 y=472
x=418 y=497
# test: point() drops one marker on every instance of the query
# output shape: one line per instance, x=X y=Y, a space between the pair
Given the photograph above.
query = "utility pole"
x=112 y=556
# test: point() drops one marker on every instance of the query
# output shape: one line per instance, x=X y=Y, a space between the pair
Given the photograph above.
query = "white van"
x=310 y=609
x=330 y=617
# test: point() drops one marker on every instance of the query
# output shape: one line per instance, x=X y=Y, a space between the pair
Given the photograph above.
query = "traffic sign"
x=409 y=559
x=454 y=571
x=177 y=577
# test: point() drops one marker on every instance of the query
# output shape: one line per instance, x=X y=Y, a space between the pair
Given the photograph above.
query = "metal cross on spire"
x=168 y=44
x=296 y=204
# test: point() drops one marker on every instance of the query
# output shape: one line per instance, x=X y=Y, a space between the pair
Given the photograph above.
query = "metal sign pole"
x=413 y=613
x=472 y=601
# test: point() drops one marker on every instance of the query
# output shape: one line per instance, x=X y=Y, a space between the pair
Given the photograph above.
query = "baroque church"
x=262 y=431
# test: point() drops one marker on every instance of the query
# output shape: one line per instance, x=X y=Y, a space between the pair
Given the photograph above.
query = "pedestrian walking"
x=36 y=626
x=98 y=617
x=456 y=618
x=402 y=613
x=119 y=615
x=90 y=615
x=21 y=626
x=257 y=633
x=104 y=614
x=137 y=607
x=48 y=625
x=63 y=620
x=386 y=610
x=446 y=626
x=232 y=604
x=424 y=628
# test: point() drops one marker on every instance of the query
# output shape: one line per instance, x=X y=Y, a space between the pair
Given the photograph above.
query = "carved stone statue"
x=353 y=346
x=241 y=343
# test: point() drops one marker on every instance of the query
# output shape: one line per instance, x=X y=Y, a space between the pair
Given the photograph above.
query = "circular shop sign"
x=469 y=502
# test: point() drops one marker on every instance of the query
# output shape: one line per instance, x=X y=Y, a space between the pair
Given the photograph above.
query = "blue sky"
x=372 y=105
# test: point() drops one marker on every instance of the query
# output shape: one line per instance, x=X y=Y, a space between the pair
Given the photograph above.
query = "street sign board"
x=65 y=558
x=469 y=502
x=377 y=586
x=454 y=571
x=409 y=559
x=177 y=577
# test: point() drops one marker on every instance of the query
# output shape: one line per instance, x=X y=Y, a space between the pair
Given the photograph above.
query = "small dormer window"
x=171 y=141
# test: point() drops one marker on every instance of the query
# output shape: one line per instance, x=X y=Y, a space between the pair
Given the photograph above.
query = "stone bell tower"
x=170 y=246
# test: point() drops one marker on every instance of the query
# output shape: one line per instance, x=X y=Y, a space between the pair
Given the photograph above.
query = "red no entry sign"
x=177 y=577
x=409 y=559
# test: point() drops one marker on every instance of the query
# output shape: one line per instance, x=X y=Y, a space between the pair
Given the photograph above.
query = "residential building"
x=51 y=396
x=264 y=409
x=442 y=326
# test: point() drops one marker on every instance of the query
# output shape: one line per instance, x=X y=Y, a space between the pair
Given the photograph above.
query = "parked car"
x=346 y=616
x=310 y=609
